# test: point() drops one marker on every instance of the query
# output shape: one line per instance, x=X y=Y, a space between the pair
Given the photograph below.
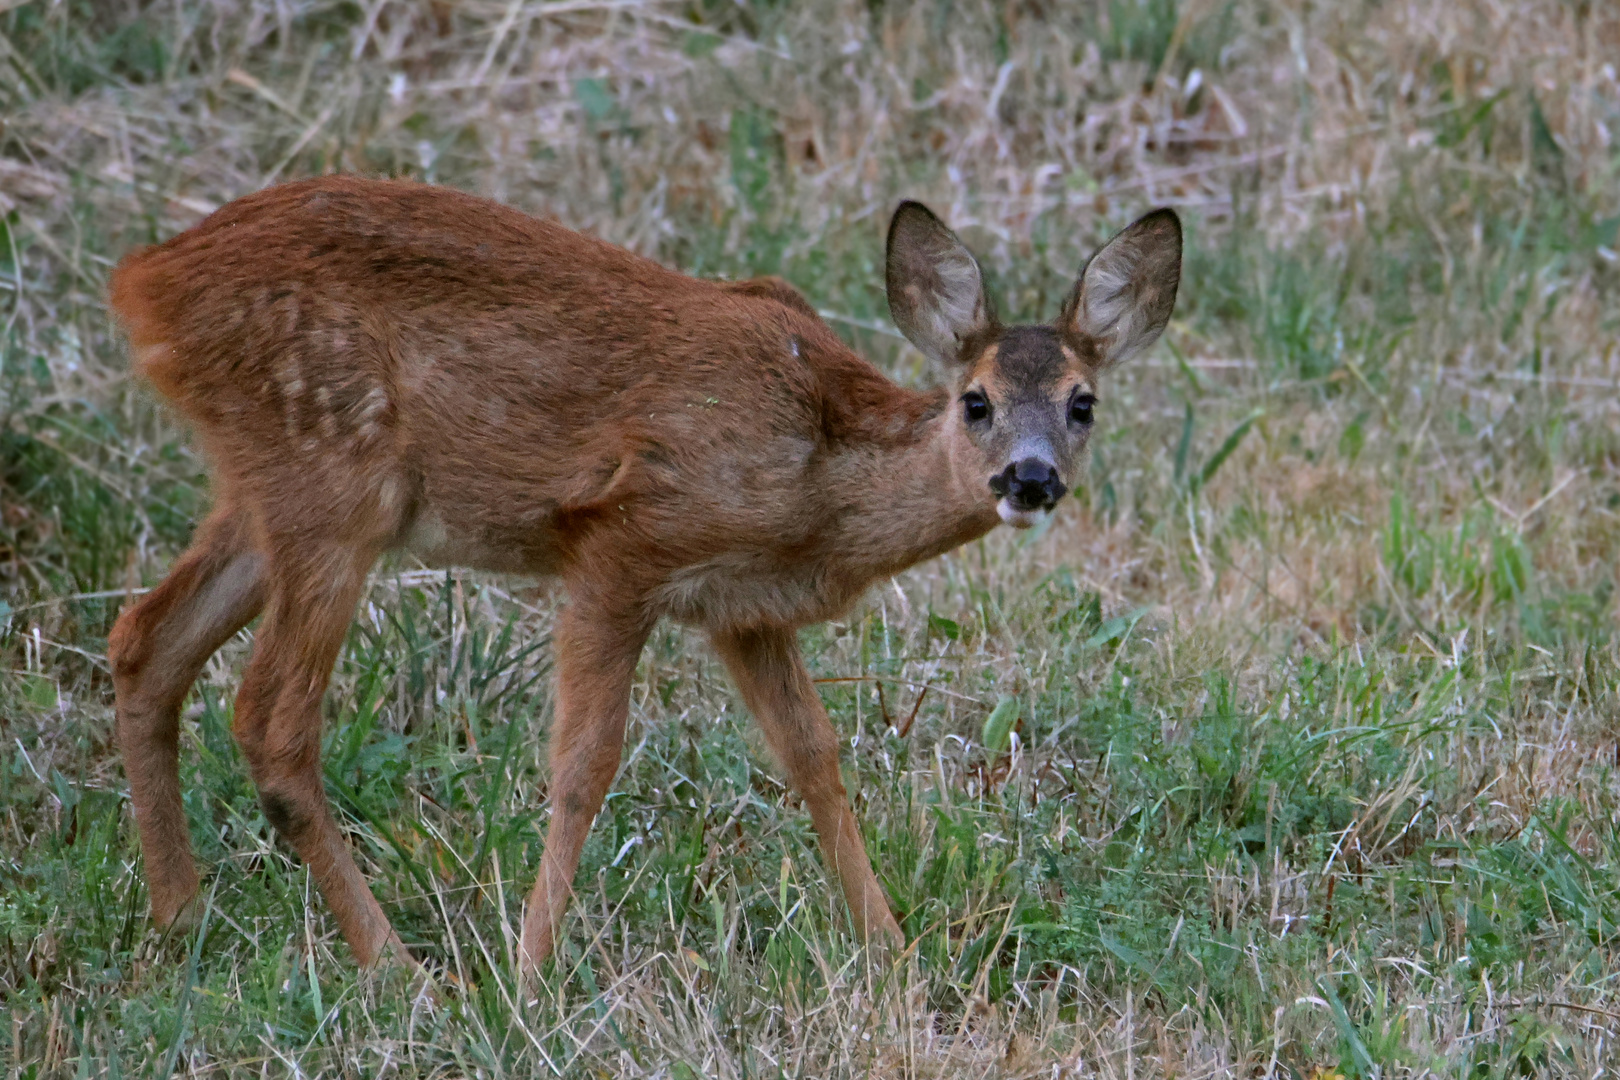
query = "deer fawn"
x=385 y=365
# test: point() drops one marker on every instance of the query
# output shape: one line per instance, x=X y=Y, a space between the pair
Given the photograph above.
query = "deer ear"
x=936 y=291
x=1127 y=291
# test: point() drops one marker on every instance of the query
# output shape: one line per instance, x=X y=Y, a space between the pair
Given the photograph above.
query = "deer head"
x=1026 y=395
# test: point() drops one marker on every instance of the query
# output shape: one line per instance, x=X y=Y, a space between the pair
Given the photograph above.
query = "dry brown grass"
x=1398 y=254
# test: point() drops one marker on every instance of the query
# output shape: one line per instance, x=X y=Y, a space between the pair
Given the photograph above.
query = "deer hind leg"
x=771 y=674
x=157 y=648
x=595 y=655
x=313 y=592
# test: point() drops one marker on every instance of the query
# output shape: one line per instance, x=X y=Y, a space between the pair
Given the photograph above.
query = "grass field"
x=1289 y=749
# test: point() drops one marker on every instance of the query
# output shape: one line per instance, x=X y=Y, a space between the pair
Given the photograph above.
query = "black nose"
x=1030 y=484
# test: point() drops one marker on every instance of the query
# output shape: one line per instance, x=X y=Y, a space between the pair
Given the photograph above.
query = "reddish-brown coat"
x=373 y=365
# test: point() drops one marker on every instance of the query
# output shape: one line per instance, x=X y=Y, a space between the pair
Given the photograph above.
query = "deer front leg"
x=771 y=674
x=595 y=648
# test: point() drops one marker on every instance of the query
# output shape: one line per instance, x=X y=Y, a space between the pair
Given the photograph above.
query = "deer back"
x=395 y=364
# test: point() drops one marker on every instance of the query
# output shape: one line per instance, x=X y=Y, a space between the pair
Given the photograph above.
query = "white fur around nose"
x=1019 y=519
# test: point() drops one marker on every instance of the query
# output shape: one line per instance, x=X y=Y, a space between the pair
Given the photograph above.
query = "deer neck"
x=902 y=498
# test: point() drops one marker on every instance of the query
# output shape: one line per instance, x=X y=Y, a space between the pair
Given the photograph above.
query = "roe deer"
x=379 y=365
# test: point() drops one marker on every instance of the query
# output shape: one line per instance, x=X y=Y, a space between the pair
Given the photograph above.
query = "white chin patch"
x=1020 y=519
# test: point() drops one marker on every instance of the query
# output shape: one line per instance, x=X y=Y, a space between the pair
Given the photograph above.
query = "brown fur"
x=375 y=365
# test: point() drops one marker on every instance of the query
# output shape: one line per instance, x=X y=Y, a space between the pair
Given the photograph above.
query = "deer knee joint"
x=284 y=813
x=126 y=650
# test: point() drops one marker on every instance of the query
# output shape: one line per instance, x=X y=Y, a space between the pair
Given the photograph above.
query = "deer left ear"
x=1127 y=291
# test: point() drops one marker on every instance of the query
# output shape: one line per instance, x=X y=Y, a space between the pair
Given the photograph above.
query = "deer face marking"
x=1026 y=396
x=1027 y=409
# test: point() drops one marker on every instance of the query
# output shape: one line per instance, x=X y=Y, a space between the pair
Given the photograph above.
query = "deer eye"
x=1080 y=408
x=975 y=407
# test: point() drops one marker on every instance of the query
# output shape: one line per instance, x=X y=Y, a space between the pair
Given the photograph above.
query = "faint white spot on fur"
x=326 y=422
x=495 y=411
x=291 y=379
x=793 y=346
x=390 y=496
x=152 y=354
x=372 y=406
x=290 y=313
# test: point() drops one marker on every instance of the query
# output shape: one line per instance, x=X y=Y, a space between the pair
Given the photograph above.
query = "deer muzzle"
x=1026 y=489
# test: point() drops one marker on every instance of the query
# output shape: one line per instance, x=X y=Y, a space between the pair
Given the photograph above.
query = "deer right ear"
x=936 y=290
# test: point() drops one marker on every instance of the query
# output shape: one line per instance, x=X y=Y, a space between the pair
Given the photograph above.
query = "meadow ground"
x=1288 y=749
